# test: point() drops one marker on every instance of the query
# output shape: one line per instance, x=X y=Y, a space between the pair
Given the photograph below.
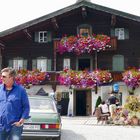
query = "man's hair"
x=11 y=71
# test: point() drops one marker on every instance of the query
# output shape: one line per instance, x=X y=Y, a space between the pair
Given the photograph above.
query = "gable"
x=65 y=11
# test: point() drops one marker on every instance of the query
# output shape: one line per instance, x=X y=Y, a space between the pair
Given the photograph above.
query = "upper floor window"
x=18 y=63
x=42 y=64
x=120 y=33
x=84 y=30
x=66 y=63
x=42 y=36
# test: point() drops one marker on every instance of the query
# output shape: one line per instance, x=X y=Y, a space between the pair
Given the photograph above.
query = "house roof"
x=78 y=4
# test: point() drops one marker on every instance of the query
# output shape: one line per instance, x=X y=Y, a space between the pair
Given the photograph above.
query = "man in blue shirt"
x=14 y=106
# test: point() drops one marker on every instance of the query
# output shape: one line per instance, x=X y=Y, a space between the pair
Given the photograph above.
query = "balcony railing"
x=117 y=76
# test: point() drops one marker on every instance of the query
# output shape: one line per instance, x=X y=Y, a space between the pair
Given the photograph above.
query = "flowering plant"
x=132 y=104
x=28 y=78
x=82 y=44
x=84 y=79
x=132 y=78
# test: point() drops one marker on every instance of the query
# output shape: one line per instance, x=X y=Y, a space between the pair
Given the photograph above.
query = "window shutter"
x=34 y=64
x=112 y=32
x=36 y=36
x=10 y=63
x=24 y=64
x=126 y=31
x=49 y=37
x=49 y=66
x=121 y=33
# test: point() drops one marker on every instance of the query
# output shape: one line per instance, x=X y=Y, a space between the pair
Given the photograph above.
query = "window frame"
x=84 y=27
x=11 y=63
x=48 y=63
x=66 y=65
x=42 y=38
x=42 y=59
x=121 y=33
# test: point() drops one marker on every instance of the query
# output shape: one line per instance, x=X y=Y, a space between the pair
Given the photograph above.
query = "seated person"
x=104 y=108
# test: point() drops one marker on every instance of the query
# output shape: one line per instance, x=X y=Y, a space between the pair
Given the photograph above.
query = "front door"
x=81 y=103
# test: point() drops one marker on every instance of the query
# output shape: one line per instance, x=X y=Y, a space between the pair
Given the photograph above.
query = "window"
x=42 y=36
x=84 y=30
x=18 y=63
x=66 y=63
x=42 y=63
x=118 y=63
x=120 y=33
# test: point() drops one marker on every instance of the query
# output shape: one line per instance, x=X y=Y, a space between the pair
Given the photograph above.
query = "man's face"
x=6 y=78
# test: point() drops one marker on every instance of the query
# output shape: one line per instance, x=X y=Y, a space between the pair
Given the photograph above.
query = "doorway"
x=81 y=103
x=84 y=64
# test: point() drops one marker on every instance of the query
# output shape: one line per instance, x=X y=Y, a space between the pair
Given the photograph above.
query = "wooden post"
x=96 y=60
x=56 y=42
x=96 y=67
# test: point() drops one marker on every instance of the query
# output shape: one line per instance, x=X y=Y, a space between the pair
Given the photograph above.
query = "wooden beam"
x=84 y=12
x=26 y=32
x=54 y=22
x=113 y=20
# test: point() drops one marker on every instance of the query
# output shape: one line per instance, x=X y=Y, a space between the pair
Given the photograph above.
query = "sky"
x=16 y=12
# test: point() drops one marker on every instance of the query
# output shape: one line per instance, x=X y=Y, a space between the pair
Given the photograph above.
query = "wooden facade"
x=21 y=41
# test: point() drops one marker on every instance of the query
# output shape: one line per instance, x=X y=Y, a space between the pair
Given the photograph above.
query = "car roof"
x=40 y=97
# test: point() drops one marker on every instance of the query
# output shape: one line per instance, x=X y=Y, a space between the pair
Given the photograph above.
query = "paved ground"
x=86 y=128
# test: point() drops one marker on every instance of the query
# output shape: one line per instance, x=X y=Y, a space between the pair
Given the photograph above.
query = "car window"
x=42 y=105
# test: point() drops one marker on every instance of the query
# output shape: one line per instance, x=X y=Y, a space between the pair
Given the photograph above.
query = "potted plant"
x=83 y=44
x=84 y=79
x=133 y=106
x=131 y=78
x=27 y=78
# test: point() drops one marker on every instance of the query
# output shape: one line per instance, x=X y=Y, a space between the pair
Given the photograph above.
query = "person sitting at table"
x=104 y=108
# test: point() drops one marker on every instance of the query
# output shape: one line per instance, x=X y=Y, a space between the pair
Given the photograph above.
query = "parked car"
x=45 y=120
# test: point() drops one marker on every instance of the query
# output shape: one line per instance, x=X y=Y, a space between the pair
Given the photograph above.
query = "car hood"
x=43 y=118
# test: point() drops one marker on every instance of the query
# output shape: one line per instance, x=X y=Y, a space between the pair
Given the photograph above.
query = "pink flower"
x=84 y=79
x=82 y=44
x=132 y=78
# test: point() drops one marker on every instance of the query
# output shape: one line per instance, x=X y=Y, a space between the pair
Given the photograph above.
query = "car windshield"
x=42 y=105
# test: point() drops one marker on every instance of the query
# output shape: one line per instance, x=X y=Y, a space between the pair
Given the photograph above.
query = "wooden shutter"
x=112 y=32
x=126 y=31
x=49 y=65
x=10 y=63
x=34 y=64
x=49 y=38
x=24 y=64
x=36 y=37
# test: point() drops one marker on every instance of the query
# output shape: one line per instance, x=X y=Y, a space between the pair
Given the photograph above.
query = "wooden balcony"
x=117 y=76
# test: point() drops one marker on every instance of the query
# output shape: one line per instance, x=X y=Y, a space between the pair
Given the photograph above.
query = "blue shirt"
x=14 y=105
